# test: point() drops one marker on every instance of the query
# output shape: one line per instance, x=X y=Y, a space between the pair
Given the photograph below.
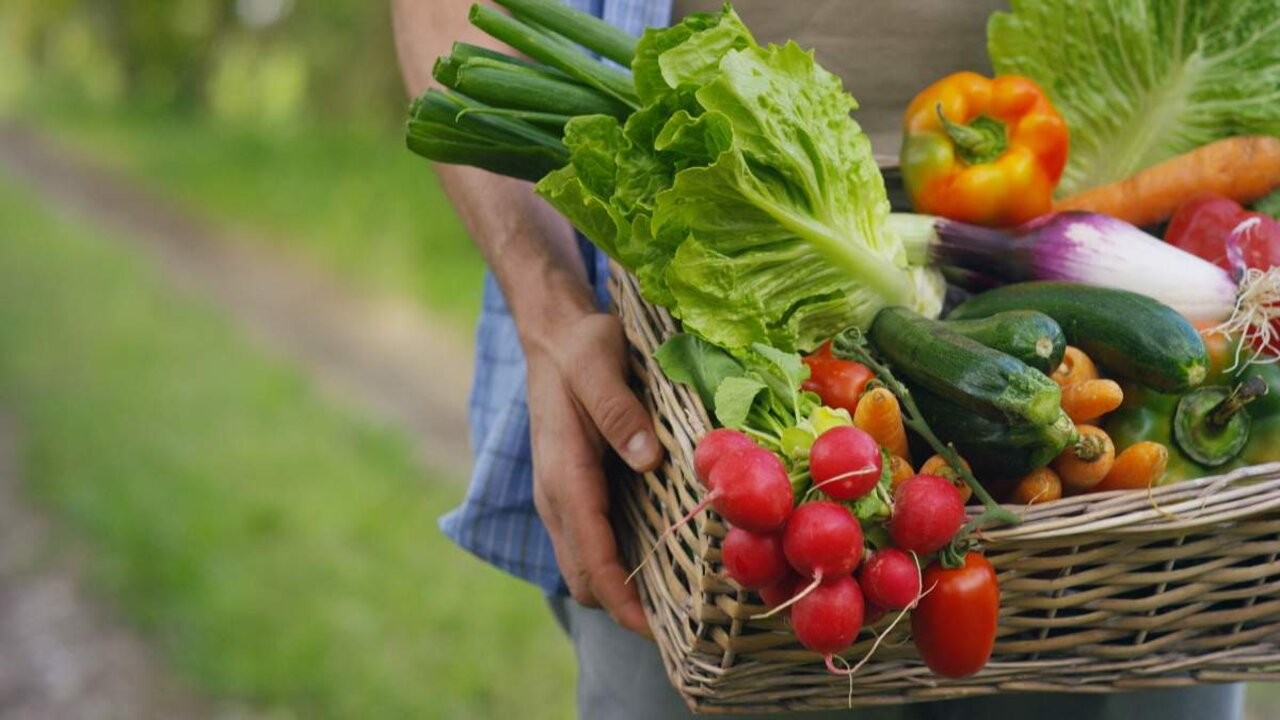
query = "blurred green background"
x=276 y=547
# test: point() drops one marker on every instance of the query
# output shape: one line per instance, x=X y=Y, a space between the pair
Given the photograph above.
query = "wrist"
x=550 y=304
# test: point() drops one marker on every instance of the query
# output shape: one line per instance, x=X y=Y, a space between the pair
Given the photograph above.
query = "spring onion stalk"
x=464 y=52
x=586 y=30
x=520 y=88
x=450 y=128
x=436 y=105
x=556 y=52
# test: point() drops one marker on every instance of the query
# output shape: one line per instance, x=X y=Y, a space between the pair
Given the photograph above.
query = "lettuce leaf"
x=742 y=195
x=1140 y=81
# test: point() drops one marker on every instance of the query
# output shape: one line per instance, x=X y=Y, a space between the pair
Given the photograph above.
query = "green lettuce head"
x=742 y=195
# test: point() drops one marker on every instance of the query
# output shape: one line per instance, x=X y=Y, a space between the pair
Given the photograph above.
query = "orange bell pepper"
x=983 y=151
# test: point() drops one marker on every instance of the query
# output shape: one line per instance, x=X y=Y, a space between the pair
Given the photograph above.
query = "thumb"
x=602 y=390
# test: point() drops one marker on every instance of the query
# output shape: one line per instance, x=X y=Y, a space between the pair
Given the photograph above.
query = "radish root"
x=817 y=580
x=864 y=470
x=679 y=524
x=1257 y=305
x=880 y=638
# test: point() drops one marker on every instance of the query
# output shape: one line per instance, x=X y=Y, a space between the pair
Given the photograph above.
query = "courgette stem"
x=555 y=52
x=851 y=344
x=587 y=30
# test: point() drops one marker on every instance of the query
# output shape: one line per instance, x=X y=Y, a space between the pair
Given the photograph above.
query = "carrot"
x=899 y=471
x=880 y=416
x=1085 y=464
x=1039 y=486
x=1219 y=344
x=1139 y=467
x=1091 y=399
x=1242 y=168
x=1076 y=367
x=938 y=465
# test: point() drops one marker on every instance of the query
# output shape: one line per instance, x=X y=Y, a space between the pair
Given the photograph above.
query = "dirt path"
x=381 y=355
x=61 y=654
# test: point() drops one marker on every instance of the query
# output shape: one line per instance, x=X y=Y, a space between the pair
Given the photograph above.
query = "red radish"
x=845 y=463
x=828 y=619
x=715 y=445
x=822 y=540
x=783 y=590
x=754 y=560
x=890 y=579
x=871 y=612
x=927 y=512
x=751 y=490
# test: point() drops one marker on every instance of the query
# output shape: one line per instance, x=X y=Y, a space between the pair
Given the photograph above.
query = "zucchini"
x=987 y=382
x=1129 y=334
x=1030 y=336
x=995 y=450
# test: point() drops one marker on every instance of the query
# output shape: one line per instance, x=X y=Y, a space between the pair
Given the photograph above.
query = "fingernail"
x=639 y=450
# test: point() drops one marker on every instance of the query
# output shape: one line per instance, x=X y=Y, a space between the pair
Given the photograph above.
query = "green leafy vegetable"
x=697 y=363
x=876 y=506
x=741 y=194
x=1139 y=81
x=759 y=395
x=735 y=398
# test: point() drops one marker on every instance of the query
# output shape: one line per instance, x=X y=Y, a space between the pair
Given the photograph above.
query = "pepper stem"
x=981 y=141
x=1245 y=393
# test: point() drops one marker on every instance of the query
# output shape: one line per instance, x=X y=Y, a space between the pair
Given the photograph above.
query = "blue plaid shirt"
x=497 y=521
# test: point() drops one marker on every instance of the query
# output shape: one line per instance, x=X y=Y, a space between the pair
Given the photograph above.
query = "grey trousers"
x=620 y=677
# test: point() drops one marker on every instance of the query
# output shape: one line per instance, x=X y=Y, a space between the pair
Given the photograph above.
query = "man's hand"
x=580 y=404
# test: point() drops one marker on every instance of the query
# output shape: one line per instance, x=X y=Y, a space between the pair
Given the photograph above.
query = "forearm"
x=529 y=247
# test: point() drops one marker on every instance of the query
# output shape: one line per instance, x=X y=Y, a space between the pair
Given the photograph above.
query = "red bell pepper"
x=838 y=382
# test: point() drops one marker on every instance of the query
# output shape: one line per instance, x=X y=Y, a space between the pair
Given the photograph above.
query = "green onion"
x=586 y=30
x=557 y=53
x=519 y=88
x=464 y=52
x=448 y=108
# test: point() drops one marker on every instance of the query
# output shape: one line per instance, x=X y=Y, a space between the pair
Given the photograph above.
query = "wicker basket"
x=1100 y=593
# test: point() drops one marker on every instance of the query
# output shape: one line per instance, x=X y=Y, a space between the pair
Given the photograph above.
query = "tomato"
x=839 y=383
x=954 y=626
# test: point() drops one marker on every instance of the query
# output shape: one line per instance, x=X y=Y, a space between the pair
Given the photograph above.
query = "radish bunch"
x=803 y=560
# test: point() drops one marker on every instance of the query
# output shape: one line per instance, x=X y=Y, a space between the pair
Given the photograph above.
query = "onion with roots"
x=1095 y=249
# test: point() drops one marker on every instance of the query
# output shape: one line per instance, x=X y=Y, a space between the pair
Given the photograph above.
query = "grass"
x=354 y=200
x=279 y=550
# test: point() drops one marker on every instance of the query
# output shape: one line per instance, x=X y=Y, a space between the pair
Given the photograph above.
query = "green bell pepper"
x=1264 y=439
x=1148 y=415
